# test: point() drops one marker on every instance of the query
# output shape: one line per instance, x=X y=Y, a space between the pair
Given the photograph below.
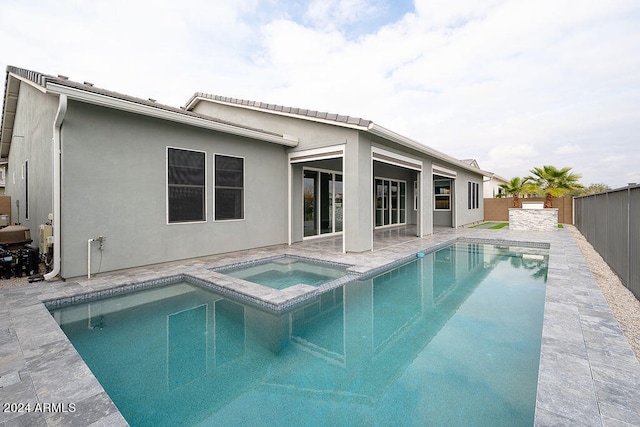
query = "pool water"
x=286 y=271
x=449 y=339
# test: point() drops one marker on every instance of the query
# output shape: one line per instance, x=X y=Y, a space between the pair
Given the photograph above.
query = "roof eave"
x=9 y=108
x=409 y=143
x=150 y=111
x=196 y=98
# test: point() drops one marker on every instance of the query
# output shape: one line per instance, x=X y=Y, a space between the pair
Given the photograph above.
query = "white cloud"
x=512 y=83
x=568 y=149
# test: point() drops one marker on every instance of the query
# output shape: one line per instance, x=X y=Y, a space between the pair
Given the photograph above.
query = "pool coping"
x=588 y=374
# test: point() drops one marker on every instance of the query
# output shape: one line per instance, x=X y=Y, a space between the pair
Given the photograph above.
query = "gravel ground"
x=625 y=306
x=17 y=281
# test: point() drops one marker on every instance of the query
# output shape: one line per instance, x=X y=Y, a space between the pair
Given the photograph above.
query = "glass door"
x=394 y=202
x=390 y=202
x=337 y=200
x=322 y=203
x=326 y=203
x=380 y=202
x=310 y=203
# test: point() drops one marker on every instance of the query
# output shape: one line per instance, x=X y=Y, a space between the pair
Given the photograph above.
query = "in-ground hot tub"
x=285 y=271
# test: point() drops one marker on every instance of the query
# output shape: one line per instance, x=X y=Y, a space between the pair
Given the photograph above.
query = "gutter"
x=56 y=153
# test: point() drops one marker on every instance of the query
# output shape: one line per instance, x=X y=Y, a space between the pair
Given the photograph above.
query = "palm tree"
x=553 y=182
x=515 y=187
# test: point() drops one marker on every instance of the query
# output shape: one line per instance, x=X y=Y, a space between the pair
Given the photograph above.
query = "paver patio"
x=588 y=373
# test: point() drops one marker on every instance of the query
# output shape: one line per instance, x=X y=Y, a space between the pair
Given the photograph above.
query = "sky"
x=513 y=84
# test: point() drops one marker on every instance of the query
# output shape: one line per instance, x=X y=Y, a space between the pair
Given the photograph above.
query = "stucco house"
x=492 y=185
x=492 y=182
x=161 y=183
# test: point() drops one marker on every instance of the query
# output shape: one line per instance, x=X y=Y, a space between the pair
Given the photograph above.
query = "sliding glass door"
x=322 y=202
x=310 y=203
x=390 y=195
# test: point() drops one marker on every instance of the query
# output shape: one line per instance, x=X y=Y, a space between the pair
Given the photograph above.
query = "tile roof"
x=43 y=79
x=339 y=120
x=312 y=114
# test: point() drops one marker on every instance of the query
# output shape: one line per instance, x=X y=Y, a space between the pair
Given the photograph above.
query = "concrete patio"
x=588 y=374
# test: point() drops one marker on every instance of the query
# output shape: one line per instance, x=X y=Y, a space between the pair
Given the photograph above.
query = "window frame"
x=442 y=195
x=215 y=188
x=387 y=202
x=473 y=197
x=204 y=186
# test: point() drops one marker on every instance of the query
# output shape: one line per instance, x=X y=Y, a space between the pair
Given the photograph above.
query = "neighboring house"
x=491 y=183
x=220 y=175
x=492 y=187
x=471 y=162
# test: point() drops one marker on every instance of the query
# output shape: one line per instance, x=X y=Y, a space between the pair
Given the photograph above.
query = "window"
x=229 y=187
x=185 y=185
x=473 y=189
x=442 y=192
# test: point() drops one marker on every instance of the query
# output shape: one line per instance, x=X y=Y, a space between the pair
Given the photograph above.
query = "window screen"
x=186 y=185
x=229 y=182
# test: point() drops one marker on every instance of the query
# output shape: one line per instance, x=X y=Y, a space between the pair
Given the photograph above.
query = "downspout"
x=56 y=153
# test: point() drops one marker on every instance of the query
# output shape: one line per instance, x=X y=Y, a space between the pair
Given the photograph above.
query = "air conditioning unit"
x=46 y=237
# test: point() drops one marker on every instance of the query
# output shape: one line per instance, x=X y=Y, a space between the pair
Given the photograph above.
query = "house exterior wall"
x=114 y=185
x=464 y=215
x=32 y=135
x=359 y=195
x=460 y=213
x=311 y=134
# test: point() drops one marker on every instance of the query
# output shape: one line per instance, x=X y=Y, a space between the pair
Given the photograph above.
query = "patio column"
x=426 y=199
x=358 y=196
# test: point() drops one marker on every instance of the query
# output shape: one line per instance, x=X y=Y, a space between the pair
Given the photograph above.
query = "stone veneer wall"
x=533 y=219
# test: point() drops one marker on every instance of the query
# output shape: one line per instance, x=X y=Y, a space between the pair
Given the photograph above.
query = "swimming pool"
x=286 y=271
x=451 y=338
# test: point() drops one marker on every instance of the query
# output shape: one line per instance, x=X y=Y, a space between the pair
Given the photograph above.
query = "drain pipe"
x=56 y=153
x=89 y=258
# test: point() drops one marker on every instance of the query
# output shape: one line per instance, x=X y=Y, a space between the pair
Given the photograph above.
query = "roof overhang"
x=387 y=134
x=10 y=106
x=164 y=114
x=9 y=113
x=360 y=125
x=197 y=98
